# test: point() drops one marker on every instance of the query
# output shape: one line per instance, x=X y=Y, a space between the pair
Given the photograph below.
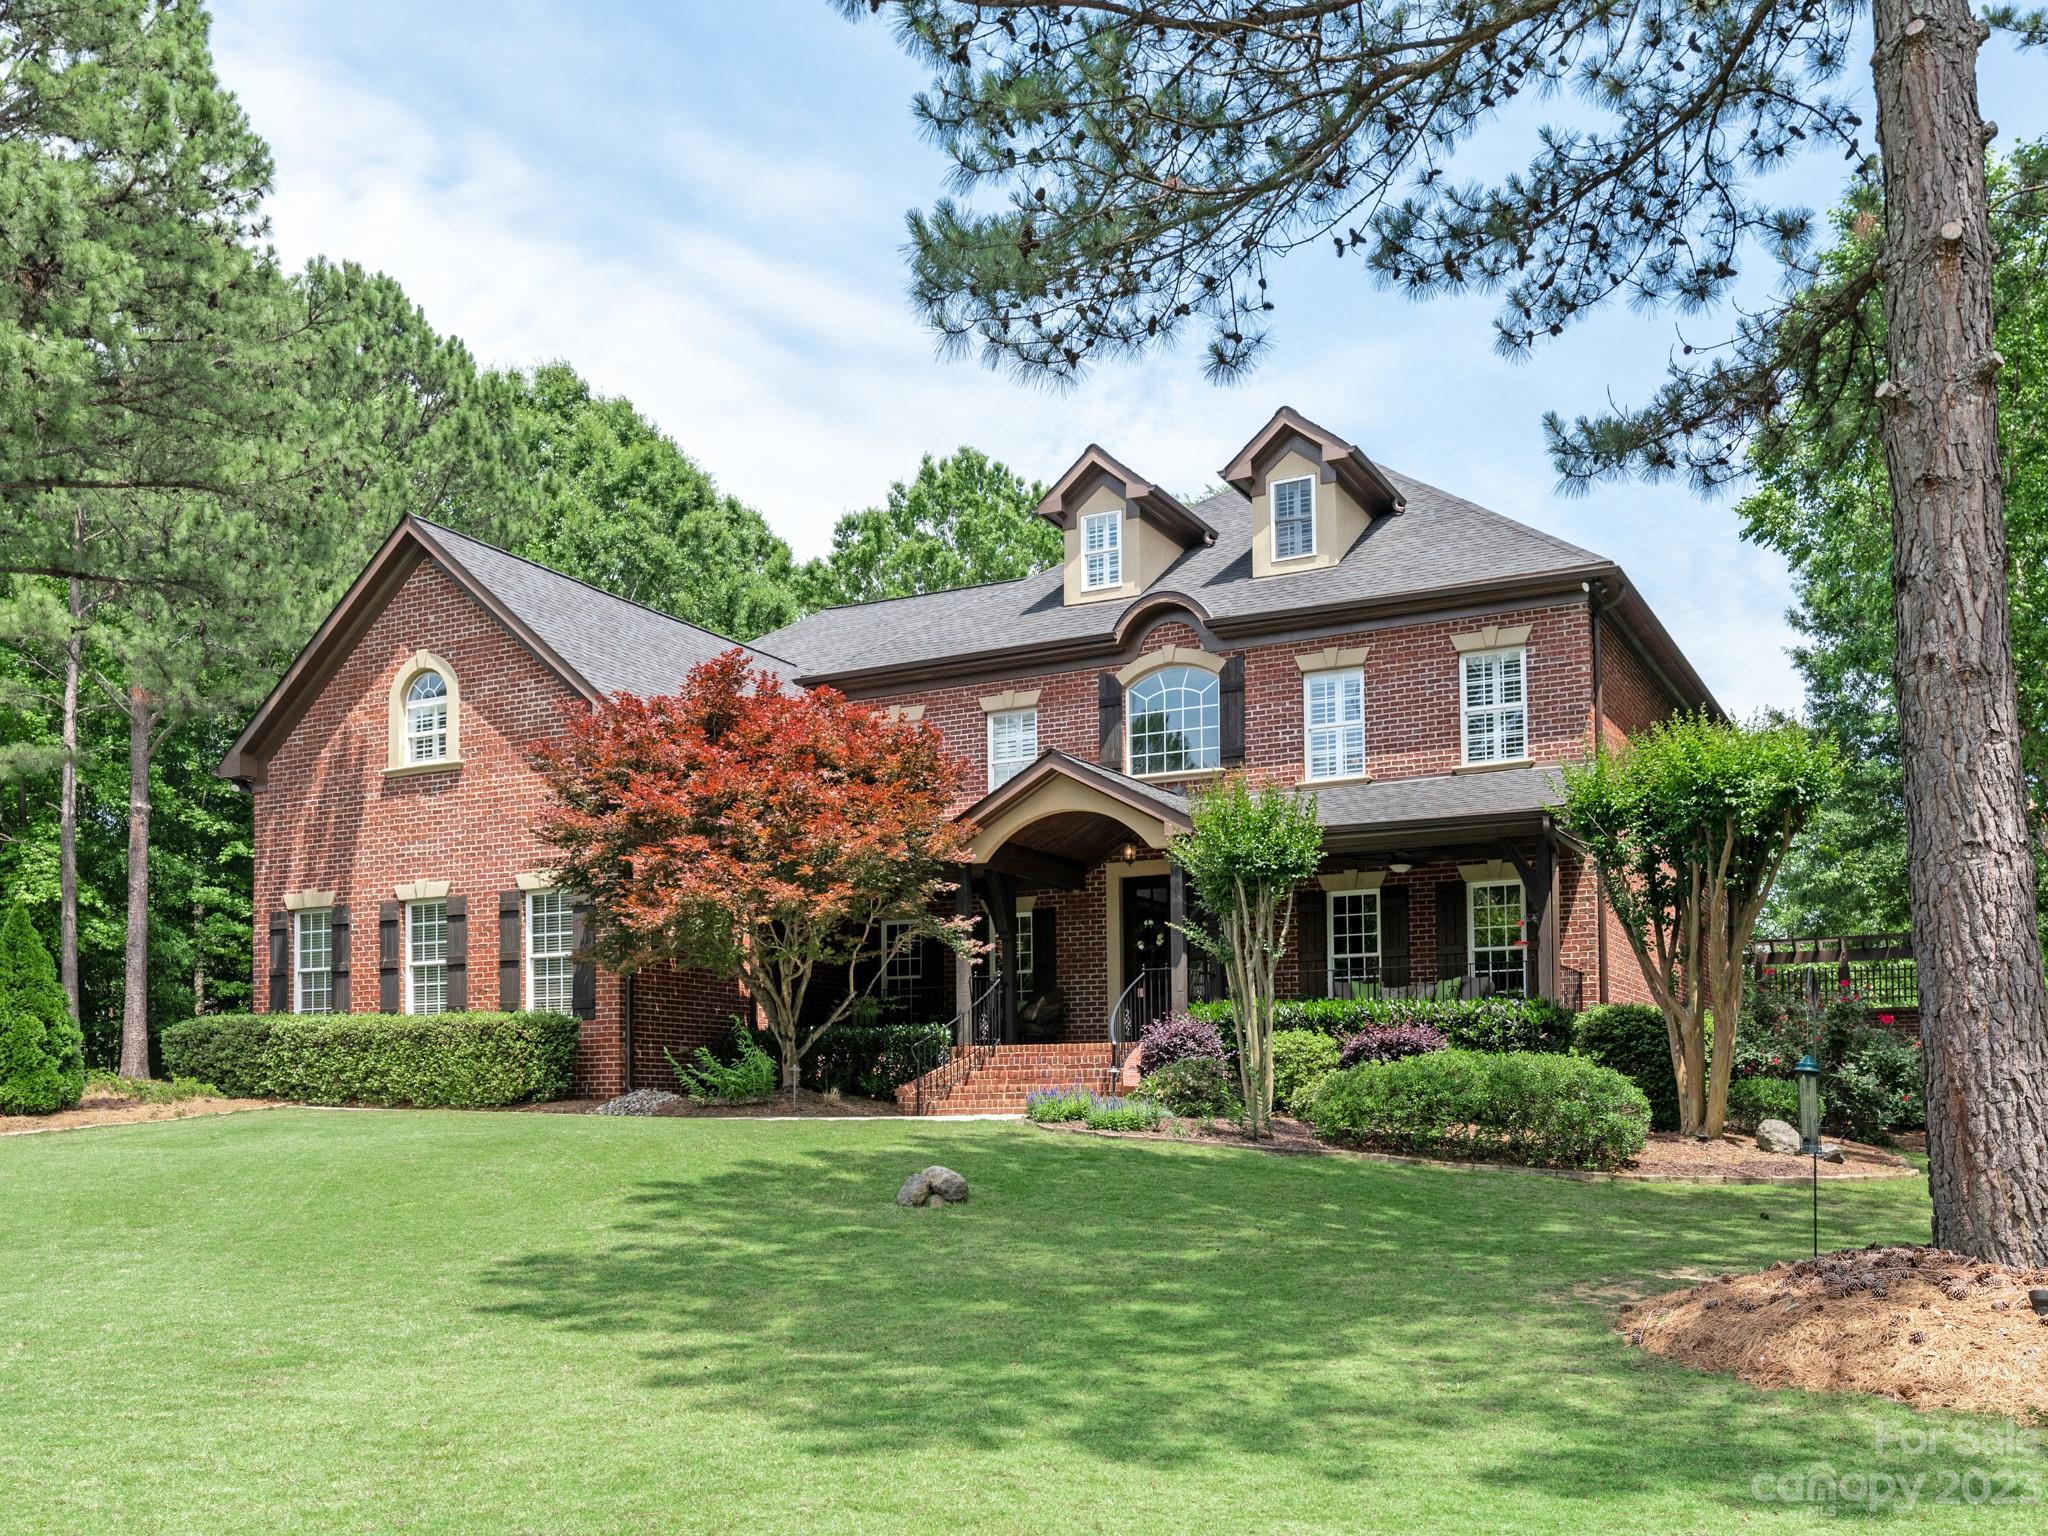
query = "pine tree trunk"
x=67 y=804
x=142 y=721
x=1984 y=1009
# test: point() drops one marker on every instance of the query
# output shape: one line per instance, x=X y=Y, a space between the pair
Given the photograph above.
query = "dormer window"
x=426 y=719
x=1102 y=551
x=1294 y=518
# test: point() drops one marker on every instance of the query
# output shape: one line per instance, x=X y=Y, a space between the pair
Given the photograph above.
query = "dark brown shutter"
x=1312 y=905
x=1231 y=698
x=458 y=954
x=1394 y=935
x=1109 y=709
x=280 y=962
x=511 y=948
x=339 y=923
x=1045 y=960
x=1450 y=929
x=583 y=980
x=387 y=956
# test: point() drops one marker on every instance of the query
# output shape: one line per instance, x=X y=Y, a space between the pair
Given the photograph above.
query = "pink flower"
x=1885 y=1018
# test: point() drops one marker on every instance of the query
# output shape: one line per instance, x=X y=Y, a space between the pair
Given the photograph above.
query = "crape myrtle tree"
x=760 y=832
x=1135 y=169
x=1688 y=826
x=1246 y=854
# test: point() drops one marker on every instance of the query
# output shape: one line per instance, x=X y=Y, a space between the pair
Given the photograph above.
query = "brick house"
x=1417 y=662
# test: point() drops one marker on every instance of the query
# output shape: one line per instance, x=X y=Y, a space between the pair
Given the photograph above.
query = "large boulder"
x=1777 y=1136
x=935 y=1186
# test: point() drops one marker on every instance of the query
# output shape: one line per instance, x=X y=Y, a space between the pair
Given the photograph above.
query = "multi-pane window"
x=1333 y=705
x=1012 y=744
x=1102 y=550
x=426 y=719
x=902 y=968
x=1354 y=938
x=1496 y=707
x=550 y=952
x=1175 y=719
x=1294 y=518
x=1026 y=954
x=1499 y=953
x=426 y=957
x=313 y=961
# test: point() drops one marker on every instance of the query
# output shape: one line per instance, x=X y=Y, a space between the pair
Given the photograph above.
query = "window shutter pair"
x=1044 y=950
x=511 y=948
x=583 y=979
x=1109 y=695
x=280 y=962
x=1450 y=930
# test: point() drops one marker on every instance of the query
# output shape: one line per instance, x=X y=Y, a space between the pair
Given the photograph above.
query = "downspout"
x=1596 y=609
x=626 y=1028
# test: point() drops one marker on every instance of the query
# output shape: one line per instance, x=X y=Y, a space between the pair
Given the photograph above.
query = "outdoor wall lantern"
x=1399 y=867
x=1130 y=853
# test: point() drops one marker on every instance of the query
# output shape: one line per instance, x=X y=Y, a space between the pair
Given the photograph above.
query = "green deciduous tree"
x=42 y=1064
x=1688 y=826
x=964 y=519
x=1246 y=854
x=1132 y=167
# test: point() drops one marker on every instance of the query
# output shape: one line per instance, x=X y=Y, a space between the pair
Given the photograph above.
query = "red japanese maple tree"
x=757 y=831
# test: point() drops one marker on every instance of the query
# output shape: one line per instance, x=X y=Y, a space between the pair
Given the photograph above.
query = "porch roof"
x=1388 y=811
x=1072 y=801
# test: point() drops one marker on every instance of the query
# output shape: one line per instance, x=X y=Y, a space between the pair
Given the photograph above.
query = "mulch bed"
x=808 y=1106
x=1923 y=1325
x=102 y=1106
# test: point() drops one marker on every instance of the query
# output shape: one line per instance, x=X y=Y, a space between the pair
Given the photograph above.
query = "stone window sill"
x=413 y=770
x=1510 y=762
x=1337 y=783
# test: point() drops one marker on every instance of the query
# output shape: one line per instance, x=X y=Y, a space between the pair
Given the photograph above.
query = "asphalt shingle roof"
x=1440 y=797
x=613 y=644
x=1439 y=541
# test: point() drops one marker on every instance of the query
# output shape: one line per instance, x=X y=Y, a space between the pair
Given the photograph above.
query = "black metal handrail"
x=978 y=1039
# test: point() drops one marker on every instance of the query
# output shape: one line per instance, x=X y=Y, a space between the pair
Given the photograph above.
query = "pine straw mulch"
x=1923 y=1325
x=105 y=1106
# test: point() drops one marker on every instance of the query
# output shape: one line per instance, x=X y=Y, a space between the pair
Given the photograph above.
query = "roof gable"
x=1096 y=467
x=1340 y=461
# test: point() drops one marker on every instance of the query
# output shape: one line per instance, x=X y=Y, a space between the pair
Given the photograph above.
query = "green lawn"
x=435 y=1321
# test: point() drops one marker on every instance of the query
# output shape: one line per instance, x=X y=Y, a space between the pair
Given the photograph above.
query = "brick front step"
x=1006 y=1078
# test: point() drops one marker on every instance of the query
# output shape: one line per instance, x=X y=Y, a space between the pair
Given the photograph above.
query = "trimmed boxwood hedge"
x=1633 y=1039
x=1472 y=1024
x=448 y=1060
x=1516 y=1107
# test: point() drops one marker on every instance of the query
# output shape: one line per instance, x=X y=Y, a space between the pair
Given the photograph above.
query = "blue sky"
x=700 y=206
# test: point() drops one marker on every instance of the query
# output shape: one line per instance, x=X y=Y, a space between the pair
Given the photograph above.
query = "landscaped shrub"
x=1390 y=1042
x=1518 y=1107
x=42 y=1054
x=456 y=1060
x=149 y=1090
x=1633 y=1039
x=748 y=1078
x=1121 y=1114
x=1476 y=1024
x=1753 y=1100
x=1195 y=1087
x=1870 y=1076
x=1177 y=1037
x=874 y=1060
x=1302 y=1058
x=1053 y=1106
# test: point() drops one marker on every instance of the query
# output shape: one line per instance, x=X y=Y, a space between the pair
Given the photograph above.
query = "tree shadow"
x=1164 y=1307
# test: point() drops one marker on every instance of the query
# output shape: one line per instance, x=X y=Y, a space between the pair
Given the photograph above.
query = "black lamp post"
x=1807 y=1074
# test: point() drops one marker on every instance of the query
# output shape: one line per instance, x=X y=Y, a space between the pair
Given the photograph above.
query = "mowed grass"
x=298 y=1320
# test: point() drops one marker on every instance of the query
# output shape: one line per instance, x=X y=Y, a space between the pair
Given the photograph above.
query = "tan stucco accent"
x=904 y=714
x=1498 y=869
x=1494 y=637
x=1349 y=778
x=1016 y=698
x=534 y=880
x=1170 y=656
x=1147 y=551
x=421 y=890
x=307 y=901
x=1332 y=658
x=1114 y=874
x=1058 y=796
x=1026 y=903
x=1339 y=519
x=1506 y=762
x=1352 y=880
x=424 y=661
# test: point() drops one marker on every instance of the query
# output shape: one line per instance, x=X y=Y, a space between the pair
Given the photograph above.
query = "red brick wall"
x=1631 y=698
x=329 y=817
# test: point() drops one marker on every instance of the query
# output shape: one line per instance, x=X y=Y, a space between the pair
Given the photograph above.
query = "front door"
x=1147 y=952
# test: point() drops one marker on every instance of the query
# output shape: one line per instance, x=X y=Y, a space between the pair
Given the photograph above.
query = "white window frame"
x=903 y=972
x=1027 y=952
x=1111 y=552
x=1332 y=900
x=1519 y=950
x=426 y=721
x=1273 y=489
x=1341 y=728
x=1214 y=735
x=301 y=921
x=1002 y=770
x=558 y=904
x=414 y=965
x=1496 y=711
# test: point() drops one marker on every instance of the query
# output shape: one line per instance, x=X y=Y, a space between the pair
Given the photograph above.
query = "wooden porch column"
x=963 y=965
x=1002 y=906
x=1176 y=939
x=1539 y=889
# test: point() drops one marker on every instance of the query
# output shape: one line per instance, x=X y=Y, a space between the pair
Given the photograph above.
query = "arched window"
x=1174 y=717
x=426 y=719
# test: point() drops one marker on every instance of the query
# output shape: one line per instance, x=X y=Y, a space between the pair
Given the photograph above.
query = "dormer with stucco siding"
x=1121 y=533
x=1312 y=494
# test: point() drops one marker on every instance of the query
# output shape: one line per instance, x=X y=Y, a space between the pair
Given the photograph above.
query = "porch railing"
x=969 y=1043
x=1448 y=982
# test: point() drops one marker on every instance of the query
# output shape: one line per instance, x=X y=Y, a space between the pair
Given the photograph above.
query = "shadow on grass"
x=1160 y=1307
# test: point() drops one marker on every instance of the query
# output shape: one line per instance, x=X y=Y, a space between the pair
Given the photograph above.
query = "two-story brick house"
x=1417 y=662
